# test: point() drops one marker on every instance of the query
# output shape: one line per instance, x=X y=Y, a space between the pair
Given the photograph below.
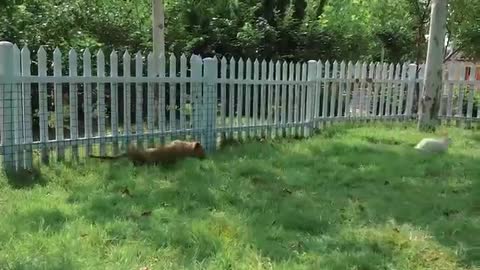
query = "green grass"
x=349 y=198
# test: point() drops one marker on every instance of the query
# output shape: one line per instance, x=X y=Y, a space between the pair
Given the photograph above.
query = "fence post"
x=412 y=81
x=6 y=103
x=312 y=87
x=209 y=108
x=27 y=108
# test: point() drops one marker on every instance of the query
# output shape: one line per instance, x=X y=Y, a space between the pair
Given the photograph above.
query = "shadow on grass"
x=25 y=178
x=40 y=219
x=290 y=195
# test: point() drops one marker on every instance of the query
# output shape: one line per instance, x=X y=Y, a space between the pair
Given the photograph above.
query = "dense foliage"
x=286 y=29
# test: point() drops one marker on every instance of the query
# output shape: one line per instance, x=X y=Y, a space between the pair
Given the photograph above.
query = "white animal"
x=434 y=145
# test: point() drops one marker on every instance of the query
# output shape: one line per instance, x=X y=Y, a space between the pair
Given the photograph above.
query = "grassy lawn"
x=349 y=198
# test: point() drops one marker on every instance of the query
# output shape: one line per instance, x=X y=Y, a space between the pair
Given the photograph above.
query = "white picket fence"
x=110 y=105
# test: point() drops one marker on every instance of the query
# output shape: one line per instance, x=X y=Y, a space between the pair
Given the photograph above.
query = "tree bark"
x=158 y=28
x=433 y=81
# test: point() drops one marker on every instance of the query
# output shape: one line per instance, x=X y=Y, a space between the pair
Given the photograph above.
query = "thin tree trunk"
x=158 y=27
x=430 y=99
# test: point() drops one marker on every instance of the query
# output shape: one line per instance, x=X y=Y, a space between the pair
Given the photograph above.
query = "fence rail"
x=63 y=109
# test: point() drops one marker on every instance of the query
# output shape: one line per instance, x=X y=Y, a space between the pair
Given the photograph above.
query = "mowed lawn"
x=348 y=198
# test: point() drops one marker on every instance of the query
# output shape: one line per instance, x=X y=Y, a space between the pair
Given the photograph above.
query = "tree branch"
x=448 y=37
x=450 y=55
x=425 y=16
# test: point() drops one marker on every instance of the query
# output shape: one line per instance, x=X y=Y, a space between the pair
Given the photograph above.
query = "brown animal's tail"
x=108 y=157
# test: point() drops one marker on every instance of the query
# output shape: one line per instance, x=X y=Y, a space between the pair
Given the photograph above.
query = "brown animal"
x=165 y=155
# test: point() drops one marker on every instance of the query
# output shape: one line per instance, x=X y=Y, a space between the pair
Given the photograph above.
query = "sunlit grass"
x=349 y=198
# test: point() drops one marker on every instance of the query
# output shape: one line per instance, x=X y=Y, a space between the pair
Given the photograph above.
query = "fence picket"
x=388 y=104
x=371 y=77
x=348 y=89
x=303 y=102
x=248 y=99
x=240 y=96
x=297 y=89
x=460 y=78
x=73 y=101
x=127 y=122
x=391 y=88
x=183 y=93
x=334 y=89
x=151 y=72
x=284 y=98
x=341 y=89
x=87 y=101
x=162 y=118
x=101 y=100
x=255 y=93
x=172 y=92
x=18 y=110
x=475 y=88
x=412 y=70
x=311 y=72
x=223 y=98
x=139 y=100
x=270 y=99
x=290 y=106
x=114 y=100
x=278 y=104
x=362 y=90
x=389 y=69
x=471 y=91
x=231 y=95
x=195 y=93
x=27 y=108
x=383 y=90
x=326 y=86
x=263 y=98
x=318 y=94
x=398 y=84
x=377 y=89
x=42 y=100
x=396 y=90
x=401 y=97
x=58 y=96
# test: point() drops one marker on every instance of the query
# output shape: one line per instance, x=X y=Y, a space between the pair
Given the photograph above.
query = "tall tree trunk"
x=422 y=15
x=430 y=99
x=158 y=27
